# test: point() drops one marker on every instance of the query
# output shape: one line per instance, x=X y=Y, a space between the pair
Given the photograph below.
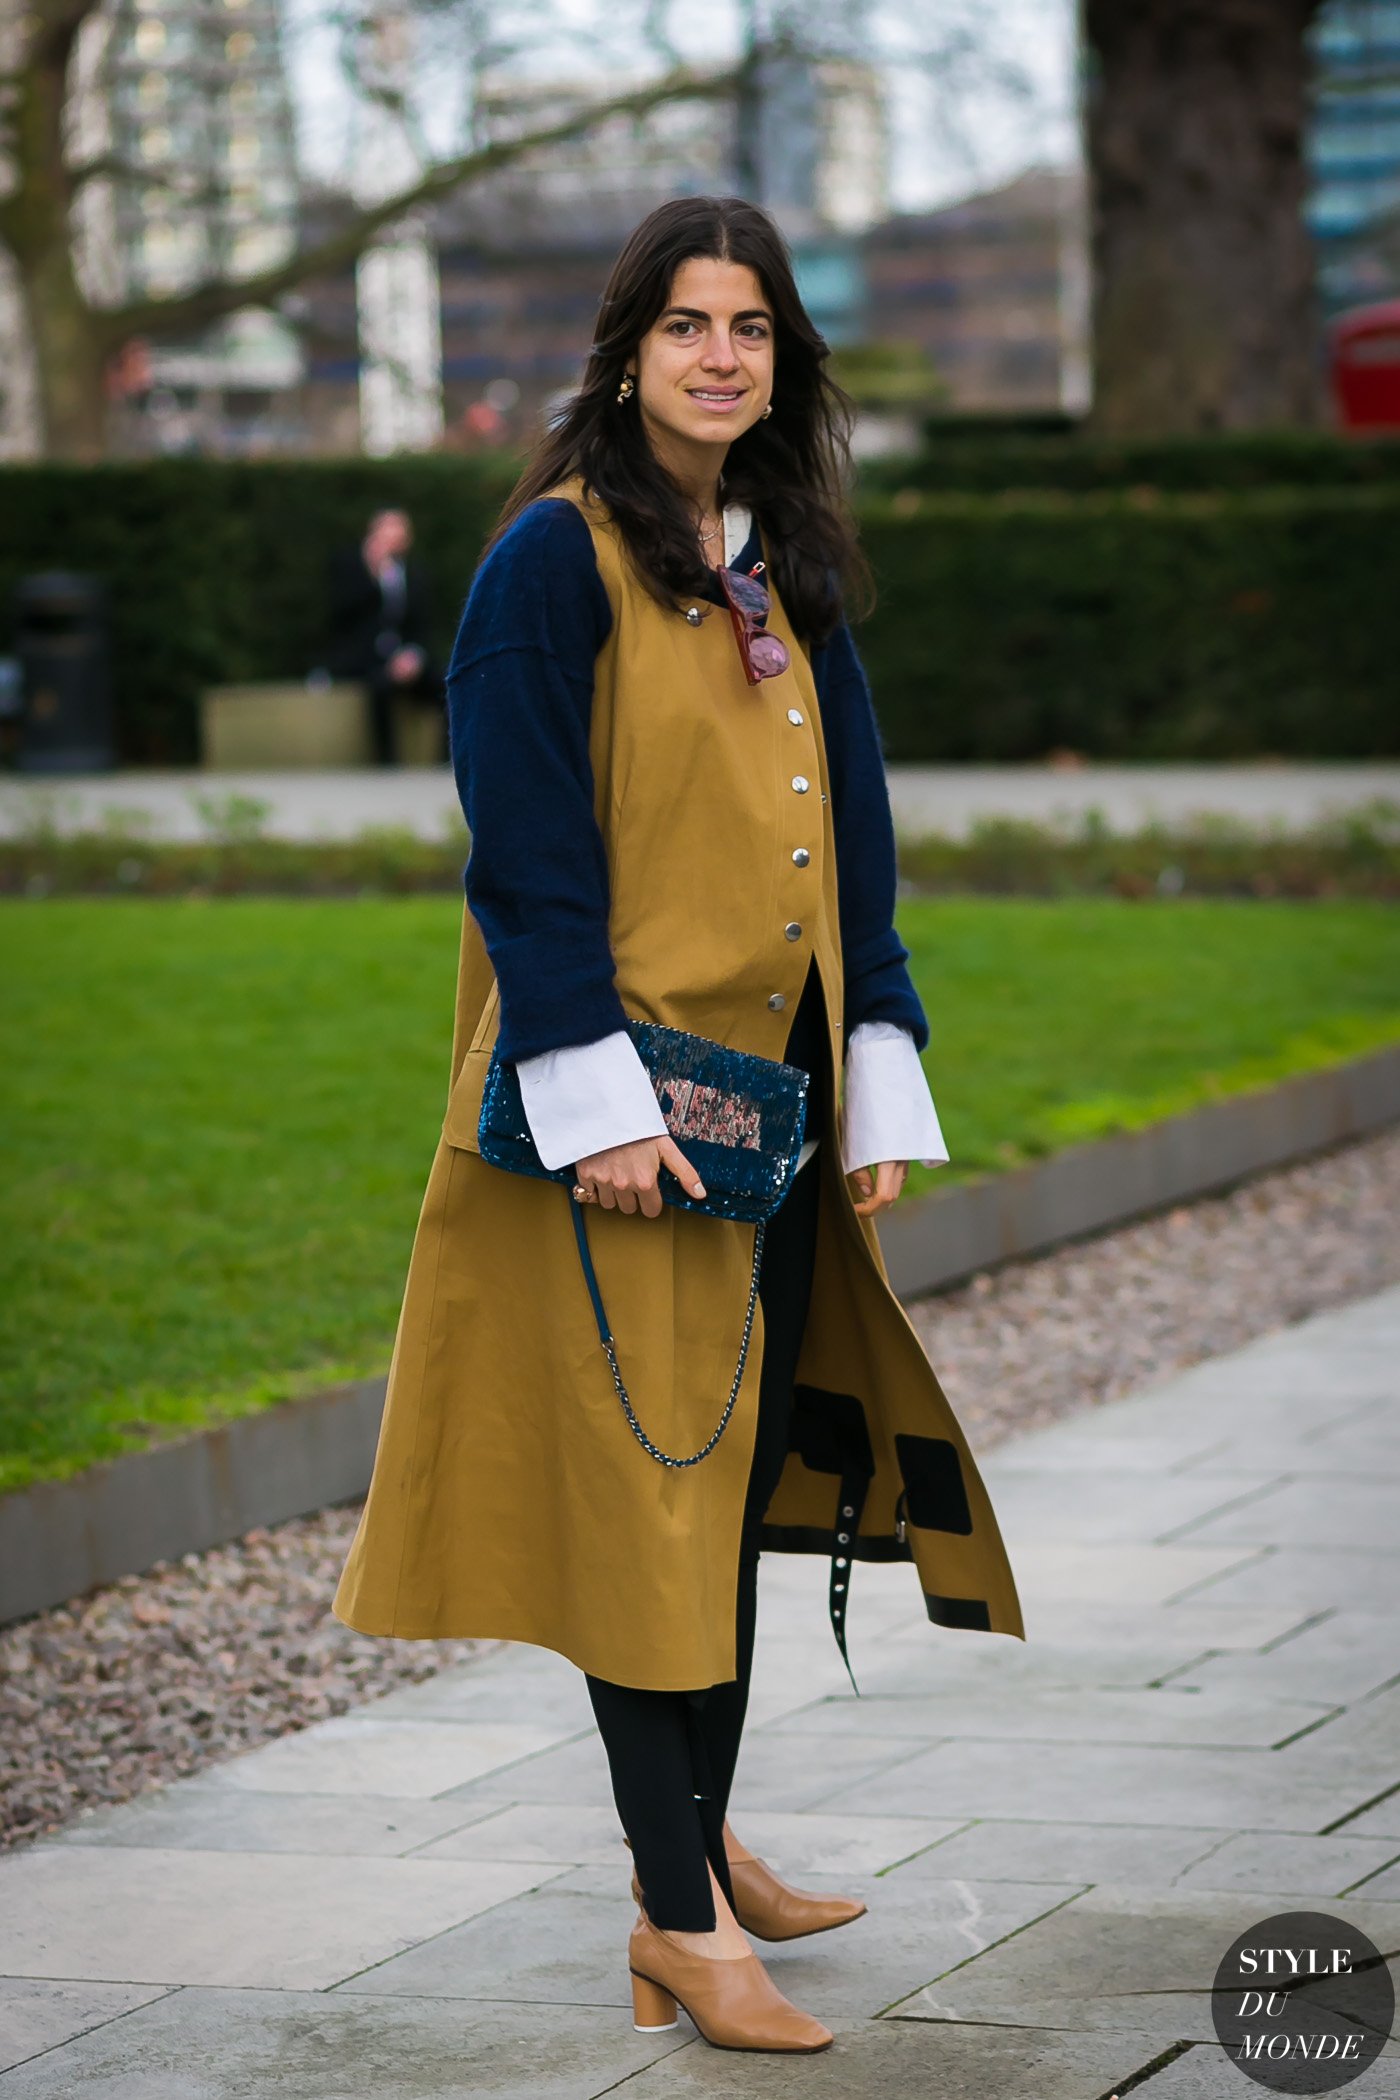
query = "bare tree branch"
x=214 y=298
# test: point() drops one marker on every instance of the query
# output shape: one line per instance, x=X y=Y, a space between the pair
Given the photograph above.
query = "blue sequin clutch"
x=739 y=1120
x=737 y=1117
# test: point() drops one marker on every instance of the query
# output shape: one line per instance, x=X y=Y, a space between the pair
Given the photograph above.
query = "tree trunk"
x=70 y=356
x=68 y=337
x=1204 y=314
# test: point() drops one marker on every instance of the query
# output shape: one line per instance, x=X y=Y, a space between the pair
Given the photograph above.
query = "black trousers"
x=672 y=1754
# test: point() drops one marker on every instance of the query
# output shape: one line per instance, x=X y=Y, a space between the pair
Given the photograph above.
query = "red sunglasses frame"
x=748 y=624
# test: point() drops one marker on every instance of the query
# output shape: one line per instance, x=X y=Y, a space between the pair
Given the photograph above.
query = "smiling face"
x=705 y=367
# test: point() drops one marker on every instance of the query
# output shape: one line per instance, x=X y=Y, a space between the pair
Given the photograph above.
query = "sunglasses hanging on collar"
x=764 y=655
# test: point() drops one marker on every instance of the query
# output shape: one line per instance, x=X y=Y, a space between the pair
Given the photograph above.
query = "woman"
x=659 y=810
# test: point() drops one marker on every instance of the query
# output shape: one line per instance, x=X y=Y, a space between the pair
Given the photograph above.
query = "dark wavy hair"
x=791 y=469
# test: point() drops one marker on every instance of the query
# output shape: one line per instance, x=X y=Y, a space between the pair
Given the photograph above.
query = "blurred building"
x=193 y=95
x=1354 y=151
x=984 y=288
x=522 y=258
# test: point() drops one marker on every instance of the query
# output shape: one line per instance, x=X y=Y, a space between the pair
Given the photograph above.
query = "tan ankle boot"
x=734 y=2002
x=768 y=1908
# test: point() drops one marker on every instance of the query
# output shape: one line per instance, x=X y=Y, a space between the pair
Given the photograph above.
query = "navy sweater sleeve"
x=520 y=698
x=878 y=985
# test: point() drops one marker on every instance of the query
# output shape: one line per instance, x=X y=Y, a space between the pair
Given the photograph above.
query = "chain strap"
x=664 y=1458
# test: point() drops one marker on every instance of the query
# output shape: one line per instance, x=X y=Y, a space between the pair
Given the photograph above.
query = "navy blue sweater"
x=520 y=697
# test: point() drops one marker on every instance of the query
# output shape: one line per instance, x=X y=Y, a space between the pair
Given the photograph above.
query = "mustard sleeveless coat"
x=509 y=1497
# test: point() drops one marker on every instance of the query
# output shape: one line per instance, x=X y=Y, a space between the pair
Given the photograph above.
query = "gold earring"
x=624 y=392
x=767 y=412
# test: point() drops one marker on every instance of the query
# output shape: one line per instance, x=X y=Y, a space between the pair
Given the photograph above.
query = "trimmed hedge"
x=988 y=459
x=216 y=571
x=1239 y=625
x=1136 y=624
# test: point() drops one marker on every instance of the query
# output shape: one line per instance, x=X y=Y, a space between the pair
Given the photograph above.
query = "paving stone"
x=1205 y=2072
x=278 y=1920
x=1057 y=1783
x=1052 y=1574
x=408 y=1760
x=208 y=1818
x=562 y=1944
x=1311 y=1578
x=1086 y=1445
x=1218 y=1716
x=1114 y=1957
x=1368 y=1732
x=873 y=2059
x=1102 y=1625
x=36 y=2014
x=912 y=1932
x=242 y=2045
x=899 y=1669
x=1383 y=1887
x=557 y=1703
x=794 y=1845
x=1283 y=1864
x=1106 y=1506
x=1339 y=1657
x=1320 y=1510
x=1380 y=1820
x=792 y=1772
x=1066 y=1853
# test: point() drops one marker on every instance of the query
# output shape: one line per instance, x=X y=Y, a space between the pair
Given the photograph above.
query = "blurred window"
x=240 y=45
x=150 y=37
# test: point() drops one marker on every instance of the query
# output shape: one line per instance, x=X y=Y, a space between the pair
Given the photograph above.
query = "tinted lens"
x=745 y=592
x=768 y=655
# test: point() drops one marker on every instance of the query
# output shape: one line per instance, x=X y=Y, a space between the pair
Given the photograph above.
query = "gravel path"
x=161 y=1674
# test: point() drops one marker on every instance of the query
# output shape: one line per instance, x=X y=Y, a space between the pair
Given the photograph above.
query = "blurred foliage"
x=989 y=454
x=216 y=571
x=1142 y=625
x=1107 y=612
x=1354 y=854
x=888 y=375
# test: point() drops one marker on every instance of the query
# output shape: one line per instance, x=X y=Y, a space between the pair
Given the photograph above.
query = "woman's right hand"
x=624 y=1177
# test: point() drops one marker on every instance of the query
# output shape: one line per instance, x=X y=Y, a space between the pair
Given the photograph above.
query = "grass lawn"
x=219 y=1115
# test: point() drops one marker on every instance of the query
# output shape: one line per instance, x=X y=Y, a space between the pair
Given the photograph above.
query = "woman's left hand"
x=879 y=1186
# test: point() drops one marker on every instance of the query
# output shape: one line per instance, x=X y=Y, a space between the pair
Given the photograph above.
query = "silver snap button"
x=793 y=930
x=843 y=1538
x=848 y=1512
x=801 y=856
x=823 y=798
x=840 y=1563
x=838 y=1586
x=694 y=615
x=795 y=717
x=776 y=1003
x=801 y=783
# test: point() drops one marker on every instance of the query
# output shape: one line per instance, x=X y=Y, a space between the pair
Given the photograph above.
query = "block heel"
x=653 y=2007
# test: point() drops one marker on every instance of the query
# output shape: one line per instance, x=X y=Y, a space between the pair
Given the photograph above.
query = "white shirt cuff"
x=888 y=1111
x=586 y=1097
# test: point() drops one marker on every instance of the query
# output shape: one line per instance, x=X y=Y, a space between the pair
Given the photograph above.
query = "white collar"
x=738 y=524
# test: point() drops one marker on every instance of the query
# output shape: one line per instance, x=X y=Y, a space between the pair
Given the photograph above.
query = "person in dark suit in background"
x=379 y=627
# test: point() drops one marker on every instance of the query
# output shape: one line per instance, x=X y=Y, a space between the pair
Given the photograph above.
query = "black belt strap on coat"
x=849 y=1504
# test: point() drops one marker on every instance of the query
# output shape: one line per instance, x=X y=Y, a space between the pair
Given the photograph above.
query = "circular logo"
x=1303 y=2002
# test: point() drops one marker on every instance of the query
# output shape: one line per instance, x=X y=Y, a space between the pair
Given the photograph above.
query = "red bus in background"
x=1365 y=361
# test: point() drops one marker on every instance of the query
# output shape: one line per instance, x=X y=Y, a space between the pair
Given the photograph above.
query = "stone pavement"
x=946 y=799
x=1057 y=1841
